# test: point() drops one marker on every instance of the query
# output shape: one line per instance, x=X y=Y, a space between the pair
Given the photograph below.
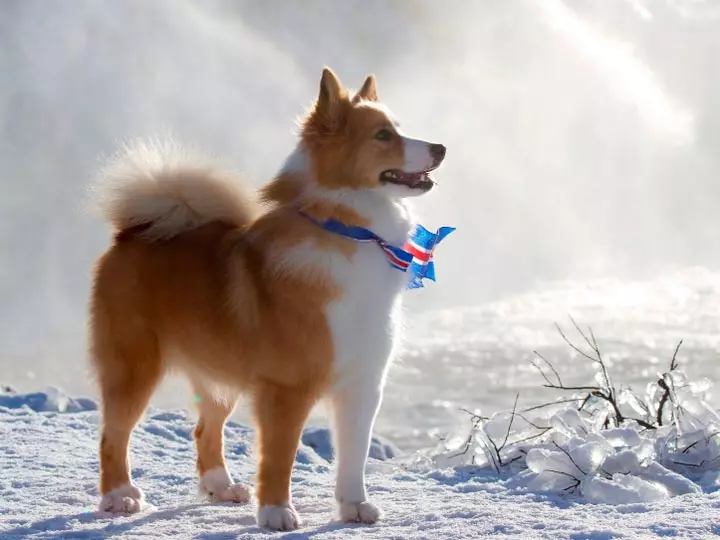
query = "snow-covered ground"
x=476 y=358
x=49 y=472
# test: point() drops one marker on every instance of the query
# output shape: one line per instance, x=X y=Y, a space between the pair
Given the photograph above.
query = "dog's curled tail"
x=167 y=190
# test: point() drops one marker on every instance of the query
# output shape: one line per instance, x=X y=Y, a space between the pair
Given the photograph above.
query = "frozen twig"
x=551 y=403
x=512 y=417
x=548 y=364
x=564 y=451
x=605 y=391
x=662 y=383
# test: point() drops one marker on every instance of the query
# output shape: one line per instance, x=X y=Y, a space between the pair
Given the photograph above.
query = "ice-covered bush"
x=601 y=443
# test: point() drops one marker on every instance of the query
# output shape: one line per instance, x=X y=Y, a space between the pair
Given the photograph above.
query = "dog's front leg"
x=355 y=405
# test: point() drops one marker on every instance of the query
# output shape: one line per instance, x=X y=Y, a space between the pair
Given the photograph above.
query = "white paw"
x=360 y=512
x=218 y=487
x=127 y=499
x=278 y=517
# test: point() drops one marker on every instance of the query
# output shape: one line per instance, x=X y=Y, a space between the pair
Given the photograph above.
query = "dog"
x=245 y=294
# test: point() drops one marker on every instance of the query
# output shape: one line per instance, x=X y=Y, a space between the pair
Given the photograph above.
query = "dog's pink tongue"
x=414 y=179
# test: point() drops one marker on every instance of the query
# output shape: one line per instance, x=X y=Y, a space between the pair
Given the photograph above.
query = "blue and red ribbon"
x=415 y=257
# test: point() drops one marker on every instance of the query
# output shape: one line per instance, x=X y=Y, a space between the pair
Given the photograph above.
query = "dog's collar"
x=415 y=257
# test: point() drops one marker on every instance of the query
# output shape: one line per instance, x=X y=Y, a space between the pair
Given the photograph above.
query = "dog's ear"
x=332 y=94
x=368 y=92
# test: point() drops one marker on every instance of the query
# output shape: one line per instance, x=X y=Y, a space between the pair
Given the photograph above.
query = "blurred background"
x=583 y=141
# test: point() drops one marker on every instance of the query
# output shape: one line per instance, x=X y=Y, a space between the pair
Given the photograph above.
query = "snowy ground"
x=49 y=471
x=475 y=358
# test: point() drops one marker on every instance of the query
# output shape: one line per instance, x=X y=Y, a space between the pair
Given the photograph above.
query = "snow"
x=49 y=474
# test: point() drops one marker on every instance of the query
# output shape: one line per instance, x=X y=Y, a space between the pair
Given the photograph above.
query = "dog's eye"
x=383 y=135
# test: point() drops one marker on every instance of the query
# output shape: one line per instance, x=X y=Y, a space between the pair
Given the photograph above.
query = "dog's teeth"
x=391 y=175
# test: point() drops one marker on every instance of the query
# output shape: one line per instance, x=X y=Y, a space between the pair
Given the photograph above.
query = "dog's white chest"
x=364 y=321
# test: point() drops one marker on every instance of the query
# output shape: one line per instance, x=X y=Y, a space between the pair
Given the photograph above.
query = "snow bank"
x=53 y=400
x=320 y=440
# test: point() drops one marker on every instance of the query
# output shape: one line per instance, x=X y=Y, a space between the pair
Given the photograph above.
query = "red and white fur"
x=244 y=295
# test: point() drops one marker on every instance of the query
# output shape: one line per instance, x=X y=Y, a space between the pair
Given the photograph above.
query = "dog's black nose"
x=437 y=151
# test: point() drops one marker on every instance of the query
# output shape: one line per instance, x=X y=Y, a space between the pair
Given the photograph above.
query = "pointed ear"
x=368 y=91
x=332 y=92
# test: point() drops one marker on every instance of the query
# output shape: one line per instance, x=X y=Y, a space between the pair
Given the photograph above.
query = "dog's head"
x=356 y=143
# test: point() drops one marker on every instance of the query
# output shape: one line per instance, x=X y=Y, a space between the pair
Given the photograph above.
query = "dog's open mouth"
x=417 y=180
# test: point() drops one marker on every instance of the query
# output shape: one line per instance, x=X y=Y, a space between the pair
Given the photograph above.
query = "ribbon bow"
x=415 y=257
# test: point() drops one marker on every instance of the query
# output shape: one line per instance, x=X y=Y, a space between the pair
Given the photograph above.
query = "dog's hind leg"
x=215 y=480
x=128 y=371
x=280 y=413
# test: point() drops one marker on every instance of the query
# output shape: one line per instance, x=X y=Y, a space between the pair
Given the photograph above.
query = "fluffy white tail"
x=169 y=190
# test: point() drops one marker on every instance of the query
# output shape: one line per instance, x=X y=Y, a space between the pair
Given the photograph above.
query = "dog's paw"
x=237 y=493
x=127 y=499
x=359 y=512
x=217 y=486
x=278 y=517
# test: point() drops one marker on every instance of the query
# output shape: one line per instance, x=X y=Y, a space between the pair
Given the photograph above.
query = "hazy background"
x=583 y=136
